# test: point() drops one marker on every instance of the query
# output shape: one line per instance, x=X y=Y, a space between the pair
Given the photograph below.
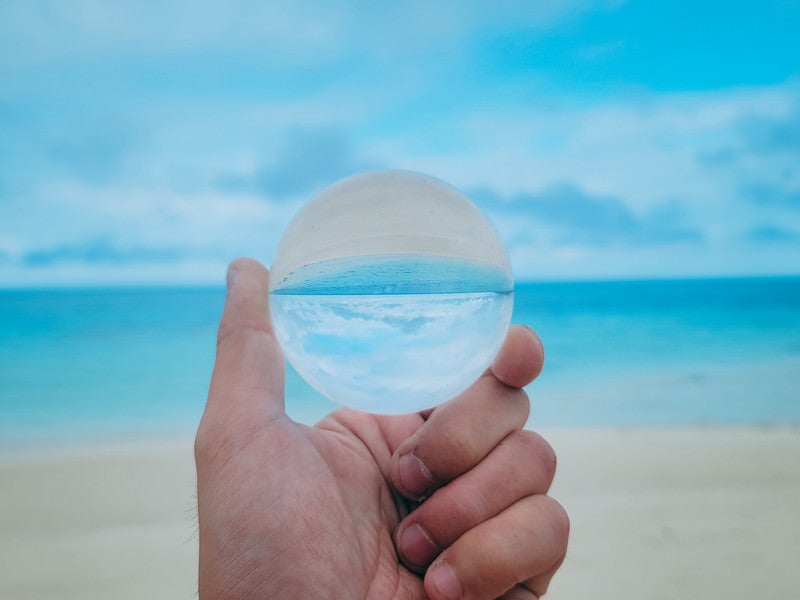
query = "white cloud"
x=647 y=153
x=93 y=30
x=115 y=156
x=641 y=146
x=300 y=33
x=197 y=234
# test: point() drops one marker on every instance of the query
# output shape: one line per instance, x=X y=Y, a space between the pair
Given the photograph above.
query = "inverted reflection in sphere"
x=390 y=292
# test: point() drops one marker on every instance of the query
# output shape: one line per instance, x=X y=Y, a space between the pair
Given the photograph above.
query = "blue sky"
x=152 y=142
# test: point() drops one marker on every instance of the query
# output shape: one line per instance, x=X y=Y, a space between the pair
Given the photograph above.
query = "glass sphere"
x=390 y=292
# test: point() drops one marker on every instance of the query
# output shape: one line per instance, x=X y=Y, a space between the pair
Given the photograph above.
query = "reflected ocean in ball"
x=390 y=292
x=393 y=352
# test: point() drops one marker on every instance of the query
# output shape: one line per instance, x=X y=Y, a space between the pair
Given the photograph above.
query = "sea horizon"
x=116 y=360
x=203 y=284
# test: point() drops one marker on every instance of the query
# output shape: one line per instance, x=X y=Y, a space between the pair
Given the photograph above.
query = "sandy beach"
x=705 y=512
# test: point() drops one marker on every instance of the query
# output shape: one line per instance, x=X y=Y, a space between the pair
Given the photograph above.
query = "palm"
x=352 y=452
x=322 y=492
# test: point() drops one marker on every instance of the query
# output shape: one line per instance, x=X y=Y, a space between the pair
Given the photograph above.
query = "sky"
x=152 y=142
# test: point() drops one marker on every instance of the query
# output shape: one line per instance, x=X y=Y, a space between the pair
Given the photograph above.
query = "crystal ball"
x=390 y=292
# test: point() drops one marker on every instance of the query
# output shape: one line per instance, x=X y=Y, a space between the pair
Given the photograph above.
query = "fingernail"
x=443 y=579
x=230 y=278
x=416 y=546
x=414 y=476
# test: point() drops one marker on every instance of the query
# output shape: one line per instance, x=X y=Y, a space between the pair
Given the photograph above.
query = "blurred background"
x=149 y=142
x=143 y=145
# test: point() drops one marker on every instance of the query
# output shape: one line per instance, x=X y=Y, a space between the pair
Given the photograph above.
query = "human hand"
x=336 y=510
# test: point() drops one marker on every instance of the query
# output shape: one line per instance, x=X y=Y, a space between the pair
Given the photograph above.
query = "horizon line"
x=189 y=285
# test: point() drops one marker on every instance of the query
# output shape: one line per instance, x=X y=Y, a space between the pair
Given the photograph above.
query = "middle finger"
x=523 y=464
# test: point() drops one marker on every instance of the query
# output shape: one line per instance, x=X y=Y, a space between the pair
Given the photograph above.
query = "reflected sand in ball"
x=390 y=292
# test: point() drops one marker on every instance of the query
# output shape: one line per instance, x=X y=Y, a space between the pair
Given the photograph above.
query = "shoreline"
x=33 y=447
x=657 y=512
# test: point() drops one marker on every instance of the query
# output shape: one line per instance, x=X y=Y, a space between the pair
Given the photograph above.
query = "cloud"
x=84 y=222
x=94 y=155
x=581 y=184
x=774 y=134
x=120 y=128
x=308 y=159
x=571 y=216
x=764 y=160
x=760 y=152
x=772 y=196
x=101 y=251
x=300 y=33
x=88 y=30
x=770 y=234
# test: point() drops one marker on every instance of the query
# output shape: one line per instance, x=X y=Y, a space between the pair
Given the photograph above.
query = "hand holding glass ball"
x=390 y=292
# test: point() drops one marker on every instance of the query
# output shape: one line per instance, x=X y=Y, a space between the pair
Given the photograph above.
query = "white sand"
x=656 y=513
x=693 y=513
x=109 y=521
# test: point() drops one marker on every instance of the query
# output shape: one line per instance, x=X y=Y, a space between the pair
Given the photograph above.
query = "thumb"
x=248 y=378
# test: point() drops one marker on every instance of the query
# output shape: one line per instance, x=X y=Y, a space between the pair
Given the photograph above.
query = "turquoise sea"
x=114 y=362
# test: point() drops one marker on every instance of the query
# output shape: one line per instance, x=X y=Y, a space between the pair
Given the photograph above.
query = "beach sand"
x=111 y=520
x=706 y=512
x=680 y=513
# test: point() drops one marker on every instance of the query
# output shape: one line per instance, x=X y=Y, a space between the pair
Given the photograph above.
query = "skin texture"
x=448 y=503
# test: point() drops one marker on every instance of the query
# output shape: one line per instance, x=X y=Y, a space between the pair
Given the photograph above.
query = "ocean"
x=78 y=363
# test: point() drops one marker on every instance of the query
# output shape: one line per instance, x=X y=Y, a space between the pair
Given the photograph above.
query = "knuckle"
x=511 y=399
x=241 y=319
x=559 y=522
x=451 y=453
x=517 y=396
x=519 y=592
x=200 y=443
x=228 y=323
x=208 y=444
x=520 y=397
x=546 y=456
x=229 y=330
x=537 y=585
x=445 y=517
x=537 y=453
x=469 y=512
x=204 y=441
x=217 y=442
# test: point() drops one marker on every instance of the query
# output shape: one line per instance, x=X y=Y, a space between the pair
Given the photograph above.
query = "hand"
x=336 y=511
